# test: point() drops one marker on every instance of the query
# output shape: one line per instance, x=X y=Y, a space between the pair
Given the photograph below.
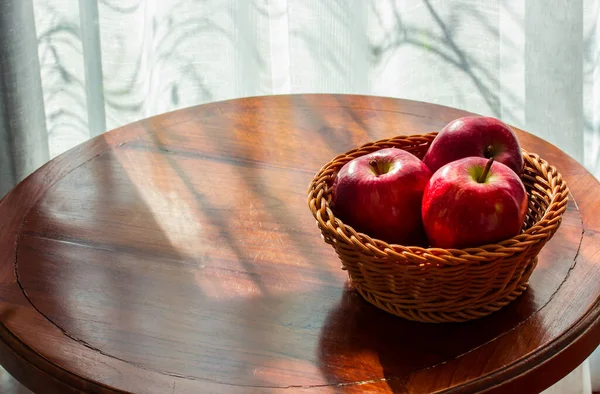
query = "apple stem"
x=375 y=167
x=484 y=174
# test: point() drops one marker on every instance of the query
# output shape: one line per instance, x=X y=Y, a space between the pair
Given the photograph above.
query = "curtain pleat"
x=92 y=59
x=23 y=135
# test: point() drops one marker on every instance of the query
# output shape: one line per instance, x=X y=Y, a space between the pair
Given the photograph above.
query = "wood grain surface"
x=177 y=255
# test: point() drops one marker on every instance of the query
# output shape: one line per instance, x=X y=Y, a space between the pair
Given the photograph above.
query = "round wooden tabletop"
x=178 y=255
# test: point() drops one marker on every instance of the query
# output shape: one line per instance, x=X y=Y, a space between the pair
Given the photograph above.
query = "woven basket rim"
x=556 y=207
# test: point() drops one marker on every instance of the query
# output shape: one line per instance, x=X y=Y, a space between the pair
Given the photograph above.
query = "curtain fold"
x=92 y=60
x=23 y=135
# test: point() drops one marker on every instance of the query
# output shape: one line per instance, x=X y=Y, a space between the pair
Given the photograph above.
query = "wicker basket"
x=441 y=285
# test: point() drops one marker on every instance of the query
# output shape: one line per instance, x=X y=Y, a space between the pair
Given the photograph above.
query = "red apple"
x=380 y=194
x=472 y=202
x=475 y=136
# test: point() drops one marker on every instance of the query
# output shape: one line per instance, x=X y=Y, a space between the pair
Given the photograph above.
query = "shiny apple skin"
x=386 y=206
x=471 y=136
x=458 y=212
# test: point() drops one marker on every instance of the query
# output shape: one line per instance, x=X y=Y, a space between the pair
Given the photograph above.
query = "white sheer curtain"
x=532 y=63
x=105 y=63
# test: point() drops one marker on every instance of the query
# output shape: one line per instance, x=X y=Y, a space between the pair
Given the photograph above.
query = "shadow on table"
x=359 y=342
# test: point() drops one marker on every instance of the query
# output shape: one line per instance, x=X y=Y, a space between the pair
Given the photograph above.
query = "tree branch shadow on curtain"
x=63 y=89
x=444 y=47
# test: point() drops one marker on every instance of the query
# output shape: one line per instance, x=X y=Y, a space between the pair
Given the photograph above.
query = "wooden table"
x=178 y=255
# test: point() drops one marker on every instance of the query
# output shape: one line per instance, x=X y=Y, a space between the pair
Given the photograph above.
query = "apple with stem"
x=472 y=202
x=380 y=194
x=480 y=136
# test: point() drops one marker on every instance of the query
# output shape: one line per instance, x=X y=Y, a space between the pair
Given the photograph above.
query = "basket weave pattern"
x=441 y=285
